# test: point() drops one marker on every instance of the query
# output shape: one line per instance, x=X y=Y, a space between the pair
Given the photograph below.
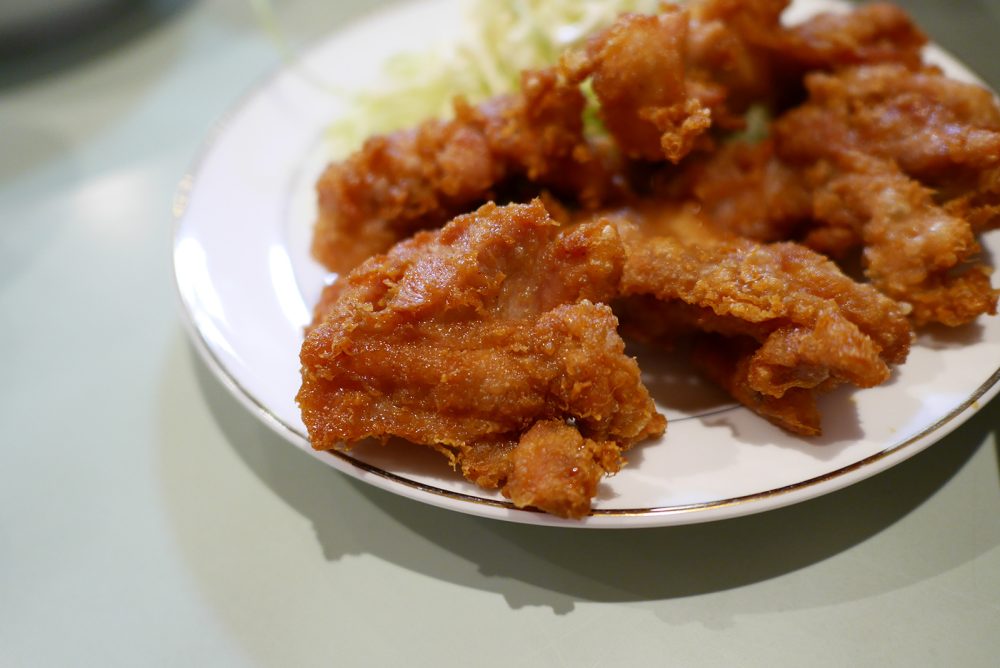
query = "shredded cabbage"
x=501 y=38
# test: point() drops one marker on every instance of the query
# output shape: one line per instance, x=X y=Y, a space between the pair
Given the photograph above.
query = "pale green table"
x=146 y=519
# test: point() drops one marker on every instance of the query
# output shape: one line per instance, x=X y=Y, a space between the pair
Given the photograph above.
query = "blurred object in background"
x=30 y=24
x=39 y=38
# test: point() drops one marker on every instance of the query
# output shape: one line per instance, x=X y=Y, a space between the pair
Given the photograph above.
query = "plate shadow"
x=555 y=567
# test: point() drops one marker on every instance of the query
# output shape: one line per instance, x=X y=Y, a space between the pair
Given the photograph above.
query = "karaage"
x=493 y=340
x=481 y=338
x=795 y=321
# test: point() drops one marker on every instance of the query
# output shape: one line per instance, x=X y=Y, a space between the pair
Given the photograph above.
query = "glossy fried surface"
x=811 y=327
x=935 y=128
x=400 y=183
x=416 y=179
x=742 y=158
x=879 y=143
x=463 y=339
x=637 y=68
x=750 y=57
x=913 y=250
x=556 y=469
x=877 y=32
x=745 y=189
x=727 y=361
x=899 y=163
x=662 y=81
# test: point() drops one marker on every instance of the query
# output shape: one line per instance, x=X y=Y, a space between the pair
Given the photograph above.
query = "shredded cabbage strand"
x=501 y=38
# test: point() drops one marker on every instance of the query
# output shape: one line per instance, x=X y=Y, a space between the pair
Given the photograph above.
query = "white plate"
x=247 y=283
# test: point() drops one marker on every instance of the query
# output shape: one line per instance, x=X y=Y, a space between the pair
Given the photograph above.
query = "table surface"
x=147 y=519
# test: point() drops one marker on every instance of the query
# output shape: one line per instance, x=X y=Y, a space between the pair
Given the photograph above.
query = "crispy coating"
x=879 y=32
x=868 y=139
x=913 y=250
x=398 y=184
x=979 y=202
x=556 y=469
x=937 y=129
x=846 y=170
x=751 y=57
x=662 y=81
x=743 y=188
x=812 y=326
x=491 y=339
x=463 y=339
x=636 y=67
x=727 y=361
x=538 y=133
x=416 y=179
x=776 y=284
x=726 y=46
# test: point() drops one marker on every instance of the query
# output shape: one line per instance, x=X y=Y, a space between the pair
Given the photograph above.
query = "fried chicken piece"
x=397 y=184
x=744 y=189
x=420 y=178
x=774 y=284
x=466 y=338
x=725 y=47
x=837 y=174
x=913 y=250
x=861 y=136
x=941 y=131
x=978 y=203
x=812 y=327
x=879 y=32
x=636 y=67
x=745 y=50
x=726 y=362
x=556 y=469
x=662 y=82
